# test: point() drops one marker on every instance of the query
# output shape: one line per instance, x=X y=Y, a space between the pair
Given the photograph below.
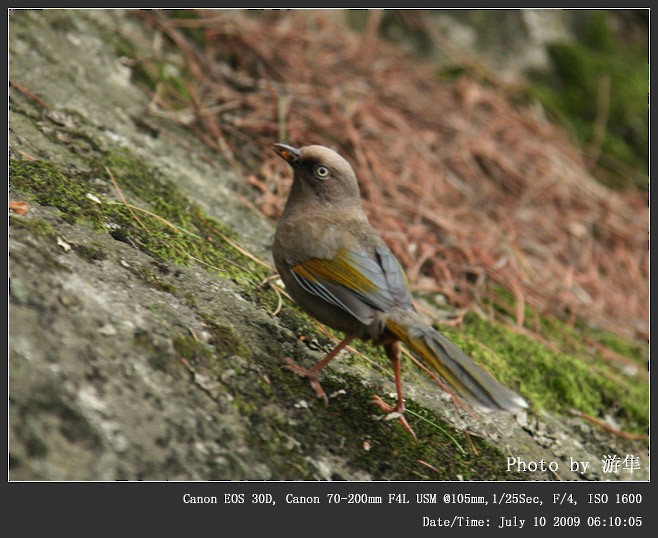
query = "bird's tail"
x=452 y=364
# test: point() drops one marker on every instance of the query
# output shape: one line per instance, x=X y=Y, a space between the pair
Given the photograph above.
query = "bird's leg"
x=312 y=373
x=393 y=352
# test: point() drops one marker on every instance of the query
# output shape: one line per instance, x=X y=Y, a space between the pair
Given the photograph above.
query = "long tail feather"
x=439 y=354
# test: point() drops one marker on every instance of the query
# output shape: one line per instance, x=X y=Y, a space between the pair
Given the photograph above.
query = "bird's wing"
x=353 y=279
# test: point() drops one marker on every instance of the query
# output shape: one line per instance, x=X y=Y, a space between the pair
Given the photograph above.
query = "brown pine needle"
x=27 y=93
x=422 y=462
x=26 y=156
x=470 y=442
x=608 y=428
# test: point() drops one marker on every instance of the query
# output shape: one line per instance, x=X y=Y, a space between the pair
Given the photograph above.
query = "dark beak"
x=287 y=153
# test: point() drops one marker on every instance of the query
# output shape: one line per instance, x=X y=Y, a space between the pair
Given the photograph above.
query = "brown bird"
x=339 y=270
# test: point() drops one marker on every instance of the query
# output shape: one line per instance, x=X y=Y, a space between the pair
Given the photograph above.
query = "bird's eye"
x=322 y=172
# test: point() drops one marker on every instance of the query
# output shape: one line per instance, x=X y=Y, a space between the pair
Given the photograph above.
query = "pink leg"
x=393 y=353
x=312 y=373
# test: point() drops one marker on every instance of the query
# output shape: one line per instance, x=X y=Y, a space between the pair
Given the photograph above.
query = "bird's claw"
x=312 y=376
x=398 y=410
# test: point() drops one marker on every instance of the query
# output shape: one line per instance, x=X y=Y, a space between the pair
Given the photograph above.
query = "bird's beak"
x=287 y=153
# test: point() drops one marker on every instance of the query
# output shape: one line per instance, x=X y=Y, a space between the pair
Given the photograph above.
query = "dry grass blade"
x=123 y=198
x=237 y=247
x=219 y=269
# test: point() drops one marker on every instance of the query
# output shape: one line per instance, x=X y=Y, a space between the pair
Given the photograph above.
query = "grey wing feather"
x=339 y=296
x=391 y=289
x=395 y=277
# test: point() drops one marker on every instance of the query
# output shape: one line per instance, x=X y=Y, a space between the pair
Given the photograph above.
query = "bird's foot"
x=310 y=374
x=398 y=410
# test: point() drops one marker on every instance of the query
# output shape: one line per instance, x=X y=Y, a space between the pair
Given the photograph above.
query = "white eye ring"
x=322 y=172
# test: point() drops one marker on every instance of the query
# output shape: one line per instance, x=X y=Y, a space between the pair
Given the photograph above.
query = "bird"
x=340 y=271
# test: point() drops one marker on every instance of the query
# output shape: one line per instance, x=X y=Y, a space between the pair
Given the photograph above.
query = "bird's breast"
x=303 y=238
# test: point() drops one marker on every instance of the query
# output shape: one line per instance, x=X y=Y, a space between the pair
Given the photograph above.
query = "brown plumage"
x=338 y=269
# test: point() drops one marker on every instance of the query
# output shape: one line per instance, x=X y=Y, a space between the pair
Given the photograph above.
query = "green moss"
x=268 y=433
x=36 y=225
x=90 y=253
x=386 y=451
x=226 y=340
x=554 y=380
x=639 y=353
x=176 y=230
x=192 y=350
x=189 y=230
x=575 y=89
x=382 y=448
x=154 y=280
x=570 y=338
x=551 y=380
x=50 y=185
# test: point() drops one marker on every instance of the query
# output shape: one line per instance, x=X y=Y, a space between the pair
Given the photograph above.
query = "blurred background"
x=503 y=153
